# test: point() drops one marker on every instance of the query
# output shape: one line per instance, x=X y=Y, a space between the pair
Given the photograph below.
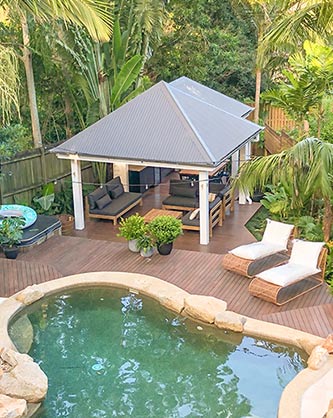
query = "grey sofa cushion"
x=96 y=195
x=117 y=191
x=112 y=184
x=118 y=205
x=103 y=201
x=184 y=188
x=218 y=188
x=181 y=201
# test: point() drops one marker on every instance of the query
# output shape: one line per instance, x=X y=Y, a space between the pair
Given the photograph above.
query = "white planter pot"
x=147 y=253
x=132 y=245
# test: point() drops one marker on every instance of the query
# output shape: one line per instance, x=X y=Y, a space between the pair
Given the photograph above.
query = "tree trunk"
x=27 y=60
x=257 y=96
x=68 y=115
x=306 y=127
x=328 y=219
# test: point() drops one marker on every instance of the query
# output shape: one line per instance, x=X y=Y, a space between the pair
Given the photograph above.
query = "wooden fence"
x=276 y=142
x=277 y=119
x=21 y=177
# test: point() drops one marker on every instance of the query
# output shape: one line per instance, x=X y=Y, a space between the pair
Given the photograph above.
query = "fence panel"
x=277 y=119
x=22 y=176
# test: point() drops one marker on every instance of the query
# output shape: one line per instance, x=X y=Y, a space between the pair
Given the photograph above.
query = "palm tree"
x=306 y=84
x=302 y=20
x=306 y=169
x=262 y=14
x=9 y=83
x=94 y=16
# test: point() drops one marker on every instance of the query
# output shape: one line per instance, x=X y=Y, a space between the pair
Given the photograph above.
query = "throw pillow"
x=103 y=201
x=96 y=195
x=211 y=197
x=194 y=214
x=117 y=191
x=112 y=184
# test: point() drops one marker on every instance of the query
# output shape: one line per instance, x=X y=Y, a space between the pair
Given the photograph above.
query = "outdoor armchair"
x=251 y=259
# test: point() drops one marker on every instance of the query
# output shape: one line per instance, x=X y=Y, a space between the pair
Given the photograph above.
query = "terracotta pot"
x=67 y=224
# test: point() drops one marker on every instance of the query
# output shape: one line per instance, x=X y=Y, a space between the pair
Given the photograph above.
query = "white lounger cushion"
x=306 y=253
x=277 y=233
x=287 y=274
x=257 y=250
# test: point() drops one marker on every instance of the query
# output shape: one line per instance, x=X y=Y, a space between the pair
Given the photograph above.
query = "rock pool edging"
x=206 y=309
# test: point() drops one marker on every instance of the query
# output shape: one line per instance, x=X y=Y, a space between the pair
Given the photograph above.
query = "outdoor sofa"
x=191 y=220
x=184 y=196
x=111 y=201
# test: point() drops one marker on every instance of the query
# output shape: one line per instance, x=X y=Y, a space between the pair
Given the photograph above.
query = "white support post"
x=248 y=151
x=204 y=207
x=121 y=170
x=234 y=163
x=77 y=193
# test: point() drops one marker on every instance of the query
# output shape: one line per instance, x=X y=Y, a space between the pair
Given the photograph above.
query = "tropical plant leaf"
x=126 y=77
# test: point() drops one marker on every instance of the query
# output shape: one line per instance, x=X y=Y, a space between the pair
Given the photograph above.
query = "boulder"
x=328 y=344
x=22 y=333
x=317 y=358
x=230 y=320
x=203 y=308
x=24 y=380
x=29 y=295
x=330 y=410
x=12 y=408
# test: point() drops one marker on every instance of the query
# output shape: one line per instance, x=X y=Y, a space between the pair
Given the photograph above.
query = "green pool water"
x=110 y=353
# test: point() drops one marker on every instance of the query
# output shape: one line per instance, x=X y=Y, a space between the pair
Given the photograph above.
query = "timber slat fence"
x=277 y=119
x=22 y=176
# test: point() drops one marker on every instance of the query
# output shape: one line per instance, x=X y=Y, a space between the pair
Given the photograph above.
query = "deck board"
x=196 y=272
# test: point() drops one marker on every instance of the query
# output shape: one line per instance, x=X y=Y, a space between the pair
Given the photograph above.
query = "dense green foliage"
x=206 y=41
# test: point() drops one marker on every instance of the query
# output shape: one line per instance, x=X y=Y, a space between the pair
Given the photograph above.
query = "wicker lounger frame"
x=113 y=218
x=279 y=295
x=250 y=268
x=215 y=217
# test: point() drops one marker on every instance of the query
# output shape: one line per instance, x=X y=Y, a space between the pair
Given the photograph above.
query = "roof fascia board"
x=135 y=162
x=196 y=133
x=241 y=145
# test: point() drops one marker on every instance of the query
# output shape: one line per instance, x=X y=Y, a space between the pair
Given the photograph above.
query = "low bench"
x=111 y=201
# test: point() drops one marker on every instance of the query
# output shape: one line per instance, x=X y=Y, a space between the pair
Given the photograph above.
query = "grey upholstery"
x=117 y=205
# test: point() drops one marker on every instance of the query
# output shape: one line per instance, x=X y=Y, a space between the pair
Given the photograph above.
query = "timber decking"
x=196 y=272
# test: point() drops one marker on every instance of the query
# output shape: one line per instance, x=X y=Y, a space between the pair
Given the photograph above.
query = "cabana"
x=180 y=125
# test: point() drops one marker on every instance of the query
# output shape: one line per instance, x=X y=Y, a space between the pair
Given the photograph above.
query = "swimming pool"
x=109 y=352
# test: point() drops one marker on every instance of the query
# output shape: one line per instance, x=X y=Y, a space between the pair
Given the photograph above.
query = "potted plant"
x=10 y=235
x=131 y=229
x=146 y=244
x=165 y=229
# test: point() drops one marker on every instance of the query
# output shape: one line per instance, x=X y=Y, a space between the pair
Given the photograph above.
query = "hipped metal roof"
x=166 y=124
x=211 y=96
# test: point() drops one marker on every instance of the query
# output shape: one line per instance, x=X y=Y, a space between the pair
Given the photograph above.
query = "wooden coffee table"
x=149 y=216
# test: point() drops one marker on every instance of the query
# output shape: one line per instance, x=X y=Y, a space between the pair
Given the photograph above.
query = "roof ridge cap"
x=189 y=123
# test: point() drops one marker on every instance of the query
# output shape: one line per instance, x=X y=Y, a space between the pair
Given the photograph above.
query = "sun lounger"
x=250 y=259
x=303 y=272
